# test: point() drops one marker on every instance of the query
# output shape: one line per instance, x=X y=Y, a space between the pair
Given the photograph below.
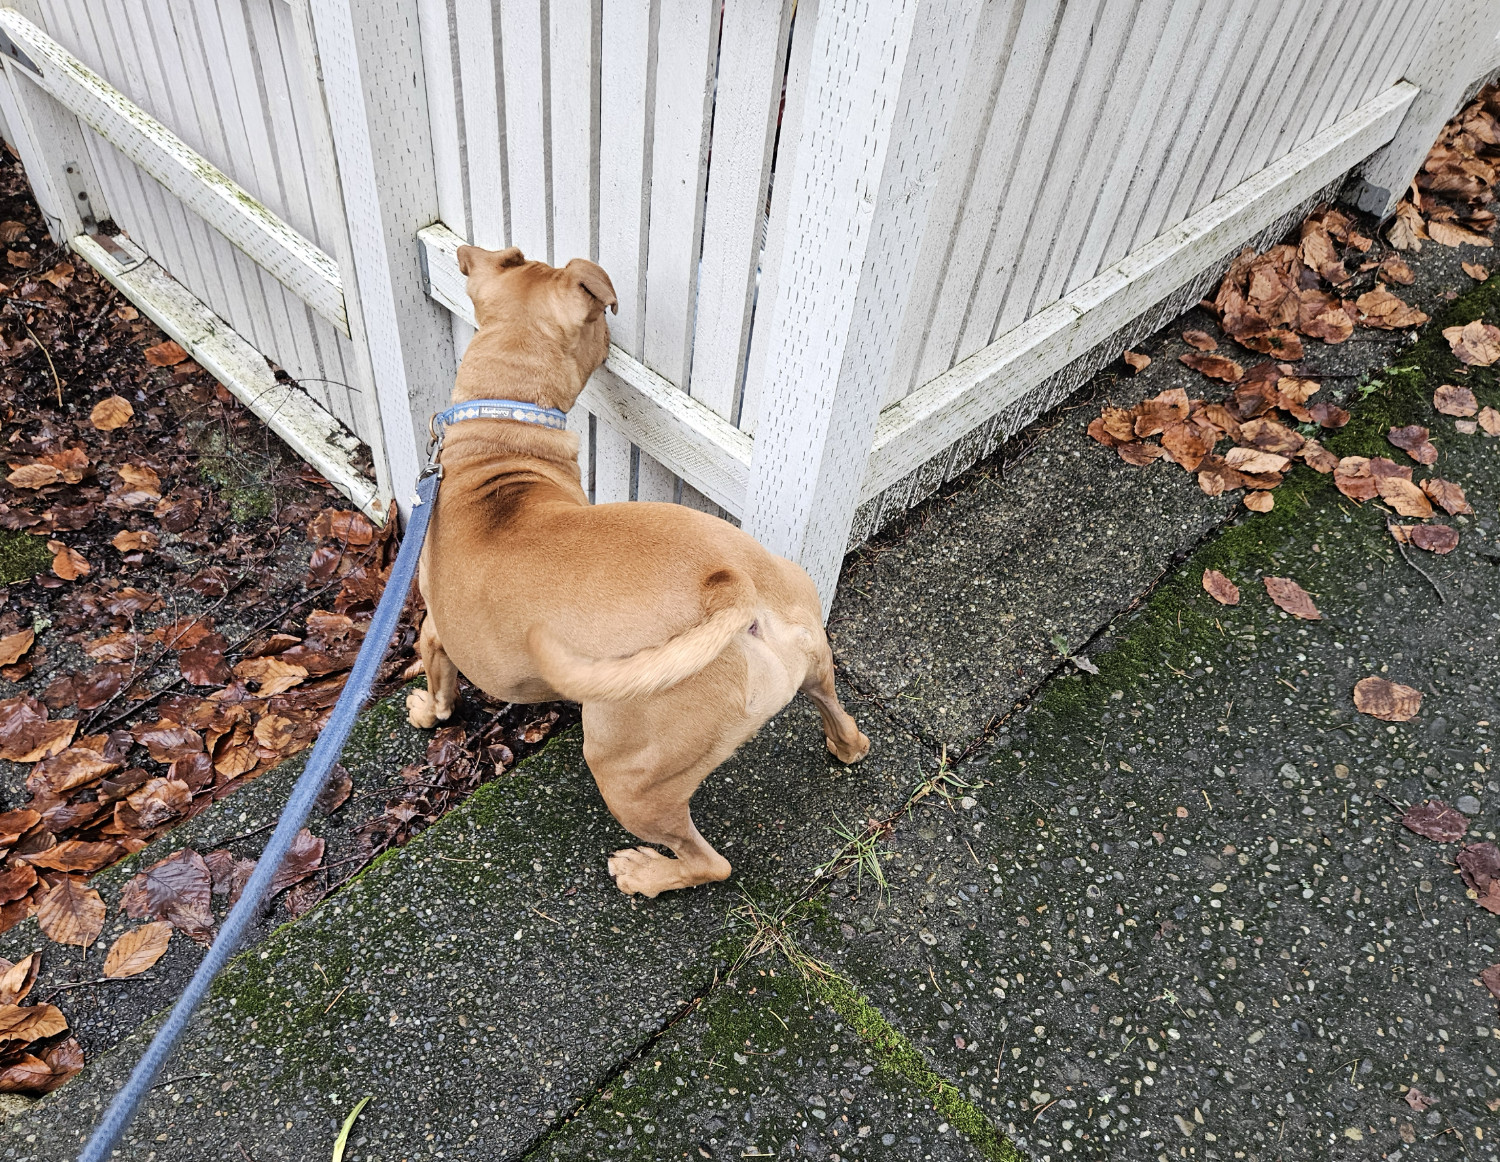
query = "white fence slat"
x=1065 y=70
x=625 y=72
x=1208 y=90
x=1373 y=30
x=477 y=34
x=1106 y=147
x=1256 y=148
x=574 y=138
x=747 y=98
x=523 y=45
x=987 y=192
x=445 y=100
x=685 y=45
x=983 y=72
x=1264 y=35
x=372 y=72
x=1230 y=98
x=612 y=464
x=1401 y=46
x=1315 y=92
x=1170 y=114
x=1070 y=167
x=784 y=162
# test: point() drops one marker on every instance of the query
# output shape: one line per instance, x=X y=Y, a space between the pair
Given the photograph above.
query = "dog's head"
x=541 y=312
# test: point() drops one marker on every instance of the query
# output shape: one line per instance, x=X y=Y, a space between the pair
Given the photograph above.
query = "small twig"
x=78 y=984
x=1435 y=588
x=244 y=835
x=335 y=999
x=544 y=915
x=47 y=355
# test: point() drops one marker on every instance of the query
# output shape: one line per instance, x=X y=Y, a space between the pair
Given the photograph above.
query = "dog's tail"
x=729 y=609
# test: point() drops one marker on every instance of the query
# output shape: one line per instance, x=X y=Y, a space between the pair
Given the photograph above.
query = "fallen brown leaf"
x=137 y=949
x=1389 y=701
x=1214 y=366
x=1253 y=460
x=1328 y=415
x=1317 y=457
x=71 y=914
x=1476 y=271
x=1184 y=444
x=141 y=478
x=230 y=875
x=129 y=541
x=1436 y=820
x=77 y=855
x=1476 y=344
x=1413 y=440
x=301 y=861
x=1137 y=361
x=30 y=1022
x=1489 y=421
x=1455 y=401
x=1220 y=587
x=1404 y=497
x=1202 y=340
x=110 y=413
x=1292 y=598
x=18 y=978
x=1379 y=308
x=1394 y=269
x=204 y=664
x=1490 y=977
x=1448 y=496
x=1453 y=236
x=1479 y=864
x=175 y=889
x=1418 y=1100
x=69 y=564
x=1261 y=501
x=166 y=354
x=272 y=674
x=14 y=646
x=1153 y=415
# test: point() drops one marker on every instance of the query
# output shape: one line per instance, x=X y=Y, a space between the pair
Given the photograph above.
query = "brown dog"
x=677 y=632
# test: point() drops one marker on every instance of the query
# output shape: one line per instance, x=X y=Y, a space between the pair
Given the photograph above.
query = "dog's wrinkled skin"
x=677 y=632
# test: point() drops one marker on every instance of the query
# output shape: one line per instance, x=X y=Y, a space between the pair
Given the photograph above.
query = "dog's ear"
x=590 y=277
x=469 y=257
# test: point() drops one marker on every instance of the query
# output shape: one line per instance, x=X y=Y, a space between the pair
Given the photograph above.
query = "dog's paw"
x=642 y=870
x=420 y=711
x=847 y=754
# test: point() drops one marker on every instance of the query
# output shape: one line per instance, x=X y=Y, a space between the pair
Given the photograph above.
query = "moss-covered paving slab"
x=764 y=1068
x=480 y=981
x=1177 y=915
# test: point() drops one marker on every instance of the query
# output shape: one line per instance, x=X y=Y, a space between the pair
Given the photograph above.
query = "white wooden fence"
x=857 y=243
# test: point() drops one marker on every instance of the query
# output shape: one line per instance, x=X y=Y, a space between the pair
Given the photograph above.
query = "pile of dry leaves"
x=1271 y=302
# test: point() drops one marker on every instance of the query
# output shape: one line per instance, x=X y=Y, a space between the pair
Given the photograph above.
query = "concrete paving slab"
x=1181 y=919
x=483 y=979
x=762 y=1069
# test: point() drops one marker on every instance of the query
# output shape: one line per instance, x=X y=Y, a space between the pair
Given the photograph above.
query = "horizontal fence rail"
x=268 y=241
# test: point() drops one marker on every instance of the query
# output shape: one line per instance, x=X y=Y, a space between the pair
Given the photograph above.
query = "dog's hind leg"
x=426 y=708
x=845 y=740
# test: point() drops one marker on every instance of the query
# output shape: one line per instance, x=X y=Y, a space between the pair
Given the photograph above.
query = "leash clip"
x=433 y=467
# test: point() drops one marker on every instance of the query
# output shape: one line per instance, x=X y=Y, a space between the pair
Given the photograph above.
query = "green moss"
x=894 y=1054
x=241 y=476
x=1402 y=393
x=22 y=556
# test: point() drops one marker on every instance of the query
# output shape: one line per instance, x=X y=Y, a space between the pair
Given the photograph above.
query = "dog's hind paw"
x=643 y=870
x=850 y=753
x=420 y=710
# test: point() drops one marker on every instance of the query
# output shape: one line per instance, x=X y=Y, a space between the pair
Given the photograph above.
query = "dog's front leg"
x=426 y=708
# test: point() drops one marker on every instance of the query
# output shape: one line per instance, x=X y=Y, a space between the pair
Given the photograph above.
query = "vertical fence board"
x=988 y=190
x=523 y=68
x=747 y=98
x=484 y=124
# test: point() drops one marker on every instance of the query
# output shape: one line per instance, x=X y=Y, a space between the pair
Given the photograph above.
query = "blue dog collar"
x=501 y=409
x=484 y=409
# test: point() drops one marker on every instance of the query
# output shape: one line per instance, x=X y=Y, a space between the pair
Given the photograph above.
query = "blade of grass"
x=343 y=1138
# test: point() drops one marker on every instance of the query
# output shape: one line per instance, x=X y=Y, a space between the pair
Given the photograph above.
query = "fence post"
x=1450 y=58
x=375 y=92
x=53 y=150
x=881 y=87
